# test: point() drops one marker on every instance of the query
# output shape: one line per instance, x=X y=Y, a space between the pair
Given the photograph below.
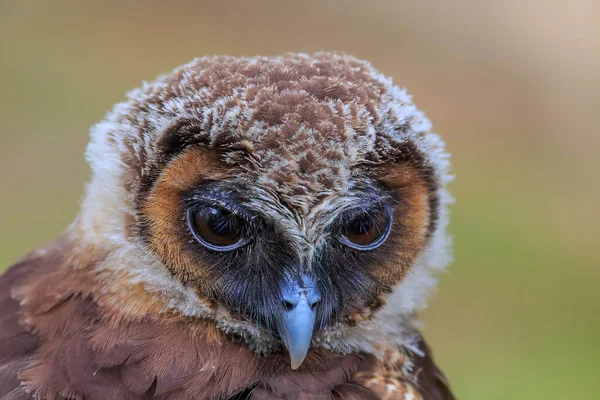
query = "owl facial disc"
x=300 y=299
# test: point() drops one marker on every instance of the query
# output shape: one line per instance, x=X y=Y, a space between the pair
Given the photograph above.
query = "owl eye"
x=367 y=230
x=217 y=228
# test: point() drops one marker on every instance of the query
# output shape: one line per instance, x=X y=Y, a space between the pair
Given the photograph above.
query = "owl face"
x=289 y=196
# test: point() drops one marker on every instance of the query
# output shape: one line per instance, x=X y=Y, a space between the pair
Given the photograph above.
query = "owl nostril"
x=299 y=294
x=288 y=305
x=314 y=305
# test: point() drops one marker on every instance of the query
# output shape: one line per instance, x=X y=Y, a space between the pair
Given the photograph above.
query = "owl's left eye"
x=217 y=228
x=367 y=230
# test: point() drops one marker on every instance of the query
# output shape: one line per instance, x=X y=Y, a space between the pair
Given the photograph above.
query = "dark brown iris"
x=217 y=228
x=367 y=231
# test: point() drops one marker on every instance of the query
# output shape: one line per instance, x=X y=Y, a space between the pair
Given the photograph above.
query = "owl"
x=253 y=228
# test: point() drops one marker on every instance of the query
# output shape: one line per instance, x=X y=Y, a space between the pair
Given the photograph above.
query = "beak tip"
x=296 y=360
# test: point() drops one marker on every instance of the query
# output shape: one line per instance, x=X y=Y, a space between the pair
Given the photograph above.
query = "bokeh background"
x=513 y=87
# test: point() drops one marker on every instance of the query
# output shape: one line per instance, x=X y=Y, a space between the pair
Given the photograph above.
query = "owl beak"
x=300 y=300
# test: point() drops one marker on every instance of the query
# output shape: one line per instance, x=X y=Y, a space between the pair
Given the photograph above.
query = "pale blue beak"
x=300 y=301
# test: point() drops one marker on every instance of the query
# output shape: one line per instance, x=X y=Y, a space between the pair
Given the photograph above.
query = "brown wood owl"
x=254 y=228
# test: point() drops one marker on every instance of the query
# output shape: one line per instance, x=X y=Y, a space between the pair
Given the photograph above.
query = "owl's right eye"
x=217 y=229
x=367 y=230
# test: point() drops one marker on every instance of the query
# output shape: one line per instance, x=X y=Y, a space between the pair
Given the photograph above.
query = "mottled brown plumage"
x=128 y=304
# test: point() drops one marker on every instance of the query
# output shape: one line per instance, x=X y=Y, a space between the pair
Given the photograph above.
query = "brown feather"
x=431 y=382
x=16 y=344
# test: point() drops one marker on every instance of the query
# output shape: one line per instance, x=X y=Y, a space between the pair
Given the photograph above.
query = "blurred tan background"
x=513 y=87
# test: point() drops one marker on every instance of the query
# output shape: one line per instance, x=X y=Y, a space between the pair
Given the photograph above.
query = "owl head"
x=292 y=201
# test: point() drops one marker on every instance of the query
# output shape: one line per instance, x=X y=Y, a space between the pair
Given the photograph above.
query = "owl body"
x=253 y=228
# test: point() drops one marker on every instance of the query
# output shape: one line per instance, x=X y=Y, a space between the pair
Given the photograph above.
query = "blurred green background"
x=512 y=86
